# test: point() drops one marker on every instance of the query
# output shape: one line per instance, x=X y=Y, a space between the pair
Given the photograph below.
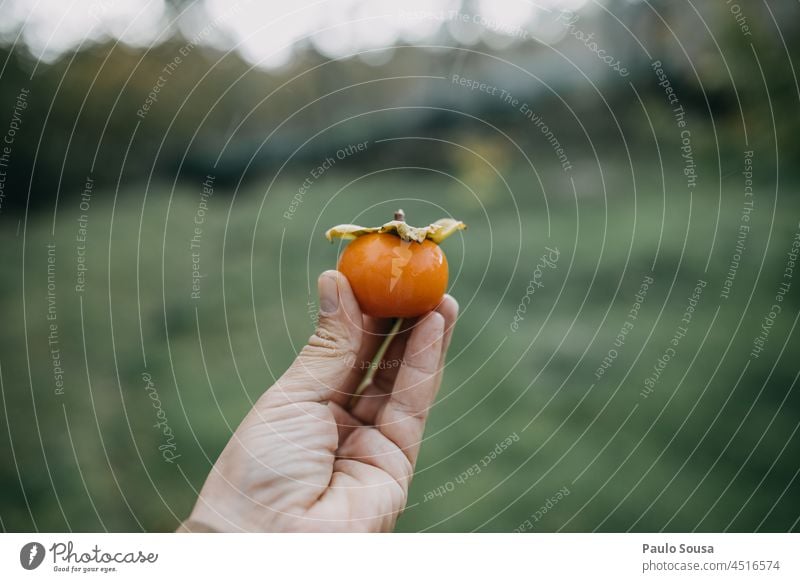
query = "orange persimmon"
x=392 y=277
x=396 y=270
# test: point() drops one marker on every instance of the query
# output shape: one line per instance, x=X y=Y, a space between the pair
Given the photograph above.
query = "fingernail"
x=455 y=303
x=437 y=322
x=328 y=293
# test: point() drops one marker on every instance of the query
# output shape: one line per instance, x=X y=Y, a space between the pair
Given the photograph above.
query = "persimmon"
x=395 y=278
x=396 y=270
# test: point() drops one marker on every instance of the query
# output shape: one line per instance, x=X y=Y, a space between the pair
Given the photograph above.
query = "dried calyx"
x=436 y=232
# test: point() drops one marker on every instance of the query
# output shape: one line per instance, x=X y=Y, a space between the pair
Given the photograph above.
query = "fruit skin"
x=392 y=277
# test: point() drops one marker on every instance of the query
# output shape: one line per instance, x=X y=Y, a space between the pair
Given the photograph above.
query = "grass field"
x=523 y=429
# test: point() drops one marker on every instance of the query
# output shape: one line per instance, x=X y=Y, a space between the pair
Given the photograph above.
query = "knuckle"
x=423 y=364
x=408 y=410
x=325 y=343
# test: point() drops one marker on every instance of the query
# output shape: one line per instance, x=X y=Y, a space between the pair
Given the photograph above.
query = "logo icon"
x=401 y=256
x=31 y=555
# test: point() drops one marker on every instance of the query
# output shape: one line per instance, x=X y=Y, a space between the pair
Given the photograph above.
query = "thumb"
x=325 y=368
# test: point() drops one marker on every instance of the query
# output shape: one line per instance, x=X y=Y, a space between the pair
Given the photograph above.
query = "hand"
x=305 y=460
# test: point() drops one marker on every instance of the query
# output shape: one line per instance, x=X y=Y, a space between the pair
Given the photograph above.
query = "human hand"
x=303 y=459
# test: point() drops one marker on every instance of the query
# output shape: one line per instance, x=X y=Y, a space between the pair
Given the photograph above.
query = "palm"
x=305 y=460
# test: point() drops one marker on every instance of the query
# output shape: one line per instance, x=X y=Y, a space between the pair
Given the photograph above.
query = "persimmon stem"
x=376 y=361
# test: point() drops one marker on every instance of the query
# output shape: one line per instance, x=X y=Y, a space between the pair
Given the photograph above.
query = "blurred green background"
x=714 y=446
